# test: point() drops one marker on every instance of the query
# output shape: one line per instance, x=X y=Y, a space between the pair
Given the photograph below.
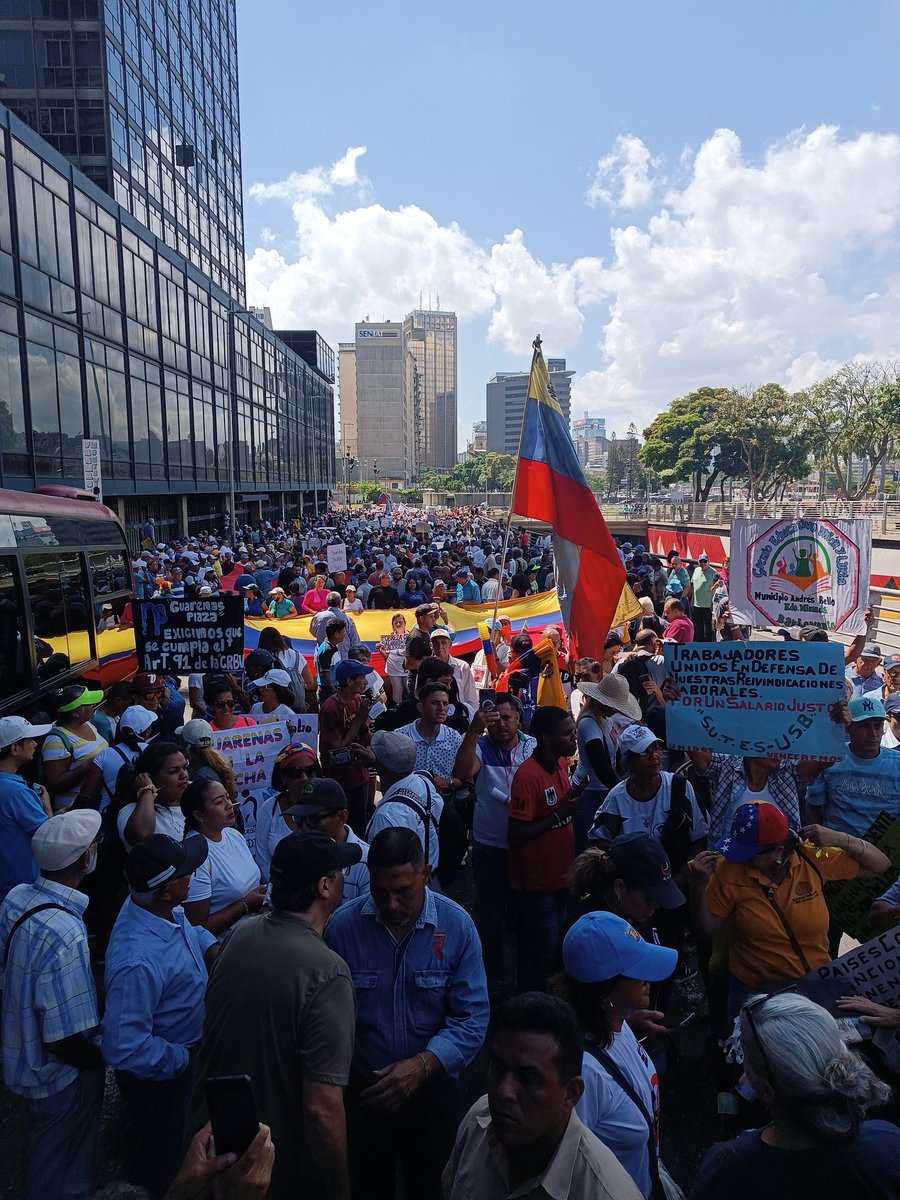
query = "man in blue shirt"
x=51 y=1056
x=422 y=1014
x=864 y=676
x=467 y=590
x=850 y=794
x=156 y=975
x=21 y=812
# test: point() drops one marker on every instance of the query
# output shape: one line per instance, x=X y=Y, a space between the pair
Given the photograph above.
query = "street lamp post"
x=232 y=412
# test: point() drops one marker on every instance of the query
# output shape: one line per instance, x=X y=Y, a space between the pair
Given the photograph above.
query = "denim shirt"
x=428 y=992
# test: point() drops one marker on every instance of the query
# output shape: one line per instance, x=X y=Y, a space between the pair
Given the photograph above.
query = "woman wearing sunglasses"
x=294 y=768
x=817 y=1091
x=770 y=883
x=221 y=709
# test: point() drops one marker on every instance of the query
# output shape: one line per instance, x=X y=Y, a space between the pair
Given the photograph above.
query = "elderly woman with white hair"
x=818 y=1091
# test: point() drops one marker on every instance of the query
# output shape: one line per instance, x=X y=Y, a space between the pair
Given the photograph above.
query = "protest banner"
x=336 y=557
x=801 y=572
x=756 y=698
x=174 y=636
x=252 y=752
x=871 y=970
x=849 y=901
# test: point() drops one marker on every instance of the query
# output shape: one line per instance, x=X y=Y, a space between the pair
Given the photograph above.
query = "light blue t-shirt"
x=854 y=791
x=20 y=815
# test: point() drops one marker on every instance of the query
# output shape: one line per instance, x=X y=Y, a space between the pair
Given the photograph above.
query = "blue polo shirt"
x=20 y=815
x=427 y=993
x=155 y=987
x=864 y=687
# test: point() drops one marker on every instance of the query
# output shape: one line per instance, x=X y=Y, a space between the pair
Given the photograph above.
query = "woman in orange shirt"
x=770 y=882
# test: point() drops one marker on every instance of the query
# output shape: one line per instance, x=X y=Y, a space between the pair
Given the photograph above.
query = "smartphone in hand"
x=232 y=1113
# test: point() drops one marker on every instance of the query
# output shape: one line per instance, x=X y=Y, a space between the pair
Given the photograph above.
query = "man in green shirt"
x=702 y=579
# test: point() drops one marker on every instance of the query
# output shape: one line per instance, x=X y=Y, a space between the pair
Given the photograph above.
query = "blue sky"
x=672 y=194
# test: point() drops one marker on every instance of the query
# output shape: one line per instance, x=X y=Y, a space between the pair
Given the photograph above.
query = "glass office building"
x=430 y=336
x=141 y=96
x=107 y=332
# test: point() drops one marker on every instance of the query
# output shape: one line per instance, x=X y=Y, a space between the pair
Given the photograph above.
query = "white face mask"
x=92 y=861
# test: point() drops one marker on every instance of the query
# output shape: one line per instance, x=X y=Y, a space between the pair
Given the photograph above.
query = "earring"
x=609 y=1004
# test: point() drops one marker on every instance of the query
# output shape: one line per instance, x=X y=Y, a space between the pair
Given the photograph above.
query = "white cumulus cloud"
x=623 y=177
x=753 y=271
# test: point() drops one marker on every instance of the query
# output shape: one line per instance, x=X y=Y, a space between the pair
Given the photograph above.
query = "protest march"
x=443 y=853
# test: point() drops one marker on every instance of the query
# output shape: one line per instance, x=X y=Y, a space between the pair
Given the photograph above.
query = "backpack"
x=675 y=834
x=449 y=830
x=297 y=684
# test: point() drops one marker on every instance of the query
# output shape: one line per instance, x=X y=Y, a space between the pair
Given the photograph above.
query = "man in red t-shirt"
x=680 y=628
x=541 y=844
x=344 y=739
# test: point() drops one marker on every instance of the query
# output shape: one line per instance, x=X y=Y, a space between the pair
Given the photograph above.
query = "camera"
x=342 y=758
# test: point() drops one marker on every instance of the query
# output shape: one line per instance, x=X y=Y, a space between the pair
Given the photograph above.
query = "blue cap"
x=892 y=703
x=866 y=708
x=601 y=945
x=675 y=587
x=349 y=669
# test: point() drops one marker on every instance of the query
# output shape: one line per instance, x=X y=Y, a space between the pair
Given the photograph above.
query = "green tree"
x=764 y=426
x=854 y=414
x=685 y=443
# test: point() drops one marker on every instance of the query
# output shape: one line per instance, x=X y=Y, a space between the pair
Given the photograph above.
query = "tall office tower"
x=374 y=407
x=142 y=97
x=505 y=398
x=430 y=336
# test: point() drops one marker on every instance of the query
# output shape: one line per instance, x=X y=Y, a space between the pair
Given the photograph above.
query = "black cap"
x=813 y=633
x=319 y=796
x=301 y=859
x=641 y=860
x=158 y=859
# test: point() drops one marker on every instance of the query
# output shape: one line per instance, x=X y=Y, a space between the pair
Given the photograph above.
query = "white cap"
x=636 y=738
x=274 y=676
x=138 y=718
x=64 y=838
x=15 y=729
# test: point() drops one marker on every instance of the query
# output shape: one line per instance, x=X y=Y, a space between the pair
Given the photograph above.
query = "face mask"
x=92 y=861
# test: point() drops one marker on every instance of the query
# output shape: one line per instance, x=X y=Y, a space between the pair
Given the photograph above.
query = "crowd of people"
x=144 y=935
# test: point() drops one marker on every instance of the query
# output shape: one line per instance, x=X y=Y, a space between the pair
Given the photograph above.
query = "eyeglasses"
x=223 y=704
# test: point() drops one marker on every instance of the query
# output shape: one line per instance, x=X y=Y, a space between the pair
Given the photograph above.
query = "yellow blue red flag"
x=550 y=486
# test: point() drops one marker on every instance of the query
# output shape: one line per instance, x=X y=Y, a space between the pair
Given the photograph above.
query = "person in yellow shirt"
x=768 y=883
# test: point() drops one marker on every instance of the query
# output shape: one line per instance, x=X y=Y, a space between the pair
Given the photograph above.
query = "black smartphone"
x=232 y=1113
x=487 y=698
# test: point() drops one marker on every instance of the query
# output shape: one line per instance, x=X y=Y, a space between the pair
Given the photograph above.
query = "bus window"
x=59 y=602
x=109 y=573
x=13 y=671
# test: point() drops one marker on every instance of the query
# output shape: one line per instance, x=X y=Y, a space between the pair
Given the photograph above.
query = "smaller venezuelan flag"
x=550 y=486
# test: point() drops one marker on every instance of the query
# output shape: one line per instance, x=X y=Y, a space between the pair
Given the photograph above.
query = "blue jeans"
x=489 y=868
x=60 y=1136
x=540 y=919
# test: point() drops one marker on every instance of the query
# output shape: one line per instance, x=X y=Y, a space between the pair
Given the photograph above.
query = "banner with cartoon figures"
x=801 y=572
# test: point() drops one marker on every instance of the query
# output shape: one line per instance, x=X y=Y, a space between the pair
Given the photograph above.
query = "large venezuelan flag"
x=550 y=486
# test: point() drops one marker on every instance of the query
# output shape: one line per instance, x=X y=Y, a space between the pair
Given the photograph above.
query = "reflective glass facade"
x=142 y=96
x=431 y=339
x=106 y=332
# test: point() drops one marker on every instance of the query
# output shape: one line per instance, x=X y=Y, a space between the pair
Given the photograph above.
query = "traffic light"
x=375 y=470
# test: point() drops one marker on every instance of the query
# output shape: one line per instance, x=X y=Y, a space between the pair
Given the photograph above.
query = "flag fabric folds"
x=550 y=486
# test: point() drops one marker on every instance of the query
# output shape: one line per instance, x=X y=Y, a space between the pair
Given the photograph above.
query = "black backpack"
x=450 y=830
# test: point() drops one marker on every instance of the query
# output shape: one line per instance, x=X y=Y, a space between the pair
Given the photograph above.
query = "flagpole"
x=536 y=349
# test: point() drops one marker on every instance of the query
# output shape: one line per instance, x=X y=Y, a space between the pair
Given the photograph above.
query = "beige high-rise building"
x=431 y=339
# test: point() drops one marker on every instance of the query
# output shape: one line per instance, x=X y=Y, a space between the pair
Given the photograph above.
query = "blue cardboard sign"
x=756 y=698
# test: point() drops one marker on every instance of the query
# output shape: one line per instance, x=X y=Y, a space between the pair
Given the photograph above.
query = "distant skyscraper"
x=143 y=98
x=505 y=397
x=431 y=339
x=375 y=407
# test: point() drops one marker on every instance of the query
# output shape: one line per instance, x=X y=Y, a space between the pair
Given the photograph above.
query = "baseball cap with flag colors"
x=755 y=825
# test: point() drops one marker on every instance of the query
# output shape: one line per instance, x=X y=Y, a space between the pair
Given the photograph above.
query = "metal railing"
x=884 y=514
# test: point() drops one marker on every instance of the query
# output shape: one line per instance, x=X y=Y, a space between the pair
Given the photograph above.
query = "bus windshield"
x=65 y=577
